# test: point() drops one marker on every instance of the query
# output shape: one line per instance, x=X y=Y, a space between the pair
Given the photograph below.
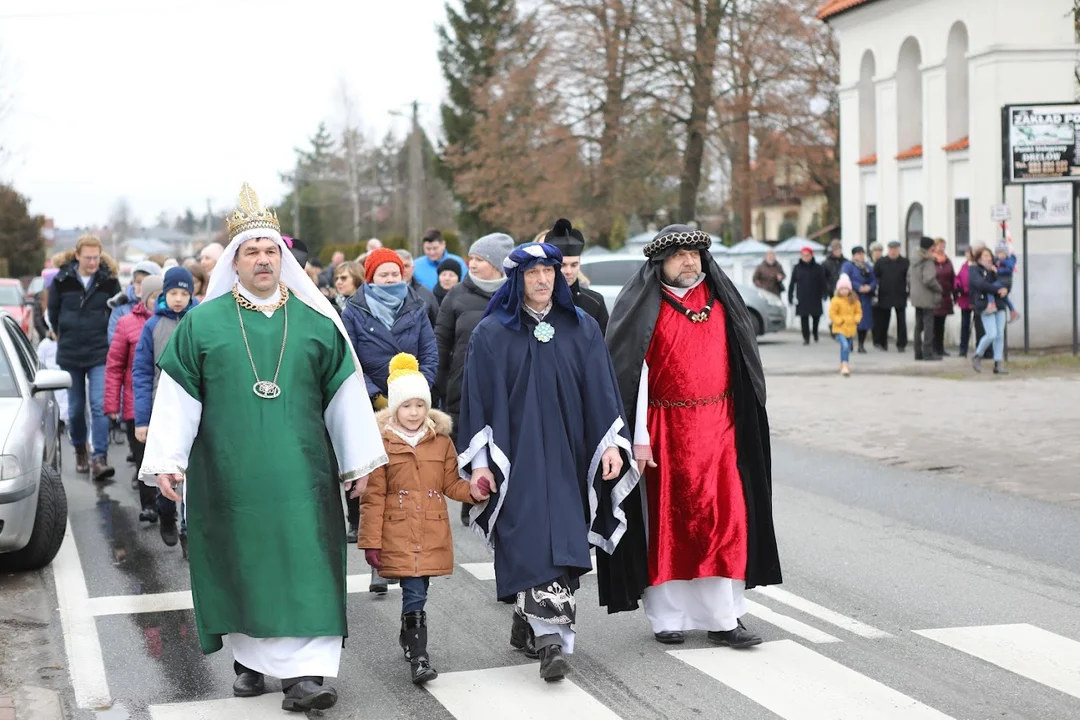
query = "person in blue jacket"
x=175 y=301
x=865 y=284
x=426 y=268
x=383 y=318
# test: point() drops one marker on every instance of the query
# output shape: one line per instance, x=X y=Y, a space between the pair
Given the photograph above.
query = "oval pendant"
x=266 y=389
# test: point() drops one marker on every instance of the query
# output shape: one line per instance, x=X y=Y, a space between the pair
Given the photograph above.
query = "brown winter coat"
x=403 y=510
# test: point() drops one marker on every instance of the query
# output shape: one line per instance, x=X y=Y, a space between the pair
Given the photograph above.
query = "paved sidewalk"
x=1017 y=434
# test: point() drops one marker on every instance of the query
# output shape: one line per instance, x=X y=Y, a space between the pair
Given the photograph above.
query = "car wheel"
x=50 y=524
x=759 y=324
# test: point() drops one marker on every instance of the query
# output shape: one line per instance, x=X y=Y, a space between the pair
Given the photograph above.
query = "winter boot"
x=553 y=664
x=100 y=469
x=522 y=637
x=401 y=639
x=976 y=363
x=170 y=535
x=999 y=369
x=416 y=640
x=82 y=460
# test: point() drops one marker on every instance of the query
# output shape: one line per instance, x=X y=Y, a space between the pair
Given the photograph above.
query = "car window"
x=11 y=295
x=611 y=272
x=9 y=386
x=27 y=356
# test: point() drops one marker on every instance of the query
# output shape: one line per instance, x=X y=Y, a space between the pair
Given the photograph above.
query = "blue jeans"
x=95 y=377
x=845 y=347
x=994 y=326
x=413 y=593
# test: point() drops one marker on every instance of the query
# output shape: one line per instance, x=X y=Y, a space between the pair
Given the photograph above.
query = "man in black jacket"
x=79 y=313
x=892 y=275
x=831 y=265
x=571 y=243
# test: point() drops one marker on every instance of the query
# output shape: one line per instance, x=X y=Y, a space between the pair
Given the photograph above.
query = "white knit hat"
x=406 y=382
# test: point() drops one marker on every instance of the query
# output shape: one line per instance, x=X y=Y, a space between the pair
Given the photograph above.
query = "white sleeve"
x=642 y=444
x=480 y=459
x=354 y=434
x=174 y=423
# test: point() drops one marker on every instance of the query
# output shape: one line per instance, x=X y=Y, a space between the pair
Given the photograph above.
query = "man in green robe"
x=254 y=389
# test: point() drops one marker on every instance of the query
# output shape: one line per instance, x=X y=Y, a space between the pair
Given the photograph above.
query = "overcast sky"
x=170 y=102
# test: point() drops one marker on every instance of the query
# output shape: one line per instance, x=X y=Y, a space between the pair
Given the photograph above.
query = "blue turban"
x=507 y=301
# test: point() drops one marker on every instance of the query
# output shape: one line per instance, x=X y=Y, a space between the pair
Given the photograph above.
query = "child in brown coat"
x=404 y=522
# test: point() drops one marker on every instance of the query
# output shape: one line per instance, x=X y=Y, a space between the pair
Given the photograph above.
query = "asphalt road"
x=879 y=554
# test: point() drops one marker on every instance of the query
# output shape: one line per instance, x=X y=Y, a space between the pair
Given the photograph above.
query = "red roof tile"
x=912 y=152
x=961 y=144
x=832 y=8
x=868 y=160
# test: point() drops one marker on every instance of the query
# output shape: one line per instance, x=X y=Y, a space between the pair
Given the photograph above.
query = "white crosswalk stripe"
x=1026 y=650
x=513 y=692
x=486 y=570
x=265 y=707
x=790 y=624
x=797 y=683
x=822 y=613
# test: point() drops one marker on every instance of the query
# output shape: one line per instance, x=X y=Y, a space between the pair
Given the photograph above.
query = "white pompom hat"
x=406 y=382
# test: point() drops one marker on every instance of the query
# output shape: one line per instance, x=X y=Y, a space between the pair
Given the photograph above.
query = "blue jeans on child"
x=413 y=593
x=845 y=347
x=994 y=326
x=99 y=426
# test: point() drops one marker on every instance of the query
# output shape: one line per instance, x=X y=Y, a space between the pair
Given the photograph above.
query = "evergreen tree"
x=21 y=243
x=470 y=44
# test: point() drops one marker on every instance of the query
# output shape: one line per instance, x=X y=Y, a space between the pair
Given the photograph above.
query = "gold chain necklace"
x=266 y=389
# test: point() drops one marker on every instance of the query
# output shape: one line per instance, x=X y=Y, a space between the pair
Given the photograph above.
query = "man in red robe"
x=699 y=525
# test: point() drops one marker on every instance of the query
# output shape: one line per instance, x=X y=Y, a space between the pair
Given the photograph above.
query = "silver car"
x=33 y=506
x=608 y=273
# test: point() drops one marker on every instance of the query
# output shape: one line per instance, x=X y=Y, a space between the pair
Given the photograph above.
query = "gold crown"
x=250 y=214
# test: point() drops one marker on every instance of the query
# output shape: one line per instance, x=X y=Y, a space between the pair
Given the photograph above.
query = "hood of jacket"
x=437 y=421
x=69 y=266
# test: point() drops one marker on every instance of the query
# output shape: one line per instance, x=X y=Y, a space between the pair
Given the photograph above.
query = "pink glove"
x=374 y=558
x=484 y=485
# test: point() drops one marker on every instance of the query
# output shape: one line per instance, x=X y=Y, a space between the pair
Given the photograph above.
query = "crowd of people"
x=872 y=290
x=497 y=381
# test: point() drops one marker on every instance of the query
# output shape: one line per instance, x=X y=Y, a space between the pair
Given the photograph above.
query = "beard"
x=682 y=280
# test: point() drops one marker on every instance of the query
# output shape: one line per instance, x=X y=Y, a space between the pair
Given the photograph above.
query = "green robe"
x=266 y=531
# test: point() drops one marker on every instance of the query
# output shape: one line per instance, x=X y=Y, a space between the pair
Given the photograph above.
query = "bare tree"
x=122 y=226
x=351 y=142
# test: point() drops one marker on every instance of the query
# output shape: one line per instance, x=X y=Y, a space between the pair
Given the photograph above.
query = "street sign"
x=1000 y=213
x=1049 y=205
x=1040 y=143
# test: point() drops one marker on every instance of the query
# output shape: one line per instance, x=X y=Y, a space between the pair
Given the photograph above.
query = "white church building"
x=922 y=87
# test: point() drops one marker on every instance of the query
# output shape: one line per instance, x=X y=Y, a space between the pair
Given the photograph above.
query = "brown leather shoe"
x=82 y=460
x=100 y=470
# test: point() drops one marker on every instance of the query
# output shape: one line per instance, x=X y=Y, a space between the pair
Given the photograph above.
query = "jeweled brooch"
x=544 y=332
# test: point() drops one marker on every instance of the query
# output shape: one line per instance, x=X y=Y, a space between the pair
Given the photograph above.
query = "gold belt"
x=694 y=402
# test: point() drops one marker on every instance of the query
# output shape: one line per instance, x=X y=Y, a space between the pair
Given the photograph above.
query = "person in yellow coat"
x=845 y=313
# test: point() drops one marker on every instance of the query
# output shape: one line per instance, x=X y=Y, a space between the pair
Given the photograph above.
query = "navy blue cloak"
x=546 y=412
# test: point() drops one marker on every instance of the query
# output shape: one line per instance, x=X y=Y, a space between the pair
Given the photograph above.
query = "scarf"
x=488 y=287
x=386 y=301
x=411 y=438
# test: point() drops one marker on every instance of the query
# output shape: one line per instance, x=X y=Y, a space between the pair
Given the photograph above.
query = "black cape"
x=624 y=575
x=545 y=412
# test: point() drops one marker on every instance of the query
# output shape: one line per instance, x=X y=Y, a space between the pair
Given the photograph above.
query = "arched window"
x=909 y=97
x=867 y=108
x=956 y=83
x=914 y=231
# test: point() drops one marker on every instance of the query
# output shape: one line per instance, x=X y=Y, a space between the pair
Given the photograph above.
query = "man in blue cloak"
x=546 y=433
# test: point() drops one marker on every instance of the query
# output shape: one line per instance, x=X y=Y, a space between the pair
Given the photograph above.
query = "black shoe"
x=378 y=584
x=963 y=353
x=522 y=637
x=805 y=342
x=553 y=664
x=670 y=637
x=465 y=508
x=309 y=695
x=999 y=369
x=738 y=638
x=149 y=515
x=944 y=353
x=415 y=629
x=976 y=364
x=353 y=535
x=862 y=350
x=170 y=534
x=879 y=346
x=130 y=459
x=815 y=337
x=249 y=684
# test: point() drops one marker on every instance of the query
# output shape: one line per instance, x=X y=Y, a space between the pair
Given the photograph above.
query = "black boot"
x=170 y=535
x=248 y=682
x=416 y=640
x=522 y=637
x=999 y=369
x=401 y=638
x=307 y=693
x=553 y=664
x=465 y=508
x=738 y=638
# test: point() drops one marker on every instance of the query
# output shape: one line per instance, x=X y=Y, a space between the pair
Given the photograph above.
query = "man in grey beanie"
x=122 y=302
x=461 y=310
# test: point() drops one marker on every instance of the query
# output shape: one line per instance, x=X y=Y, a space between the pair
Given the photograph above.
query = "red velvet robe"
x=696 y=507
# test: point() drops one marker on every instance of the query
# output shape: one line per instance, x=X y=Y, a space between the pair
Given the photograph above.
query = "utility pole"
x=416 y=171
